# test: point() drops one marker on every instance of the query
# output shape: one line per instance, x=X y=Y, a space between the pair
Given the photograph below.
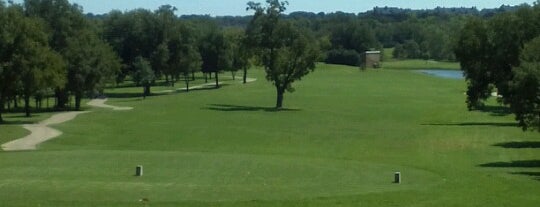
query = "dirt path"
x=40 y=132
x=101 y=104
x=202 y=86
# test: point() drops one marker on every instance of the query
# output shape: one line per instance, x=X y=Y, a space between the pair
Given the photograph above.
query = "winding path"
x=40 y=132
x=202 y=86
x=100 y=103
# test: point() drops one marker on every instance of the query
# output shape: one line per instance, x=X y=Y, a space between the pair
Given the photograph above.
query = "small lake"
x=450 y=74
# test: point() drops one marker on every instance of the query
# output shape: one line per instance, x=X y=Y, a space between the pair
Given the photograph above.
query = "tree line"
x=50 y=48
x=502 y=54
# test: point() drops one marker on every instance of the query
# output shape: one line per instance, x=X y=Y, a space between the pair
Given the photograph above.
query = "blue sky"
x=237 y=7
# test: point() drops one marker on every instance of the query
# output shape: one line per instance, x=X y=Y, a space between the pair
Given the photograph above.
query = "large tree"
x=91 y=63
x=143 y=75
x=287 y=54
x=216 y=54
x=525 y=88
x=185 y=58
x=471 y=50
x=241 y=52
x=27 y=64
x=489 y=50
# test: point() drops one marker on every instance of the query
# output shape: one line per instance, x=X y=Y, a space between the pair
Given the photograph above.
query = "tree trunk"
x=206 y=77
x=61 y=98
x=146 y=90
x=210 y=75
x=217 y=80
x=279 y=103
x=233 y=75
x=78 y=97
x=15 y=103
x=187 y=84
x=245 y=75
x=2 y=103
x=27 y=105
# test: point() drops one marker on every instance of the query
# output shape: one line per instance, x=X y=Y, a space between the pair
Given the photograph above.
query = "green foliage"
x=470 y=50
x=525 y=87
x=28 y=64
x=287 y=53
x=91 y=63
x=143 y=75
x=489 y=49
x=343 y=57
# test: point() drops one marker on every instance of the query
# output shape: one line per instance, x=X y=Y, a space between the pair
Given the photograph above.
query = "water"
x=450 y=74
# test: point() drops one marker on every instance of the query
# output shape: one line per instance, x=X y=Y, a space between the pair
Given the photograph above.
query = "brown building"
x=373 y=59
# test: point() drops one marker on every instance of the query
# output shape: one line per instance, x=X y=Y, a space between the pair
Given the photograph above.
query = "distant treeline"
x=343 y=37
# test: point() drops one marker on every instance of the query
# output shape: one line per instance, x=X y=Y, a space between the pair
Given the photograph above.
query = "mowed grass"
x=339 y=143
x=420 y=64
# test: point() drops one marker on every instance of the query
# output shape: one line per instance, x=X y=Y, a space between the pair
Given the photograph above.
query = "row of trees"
x=502 y=54
x=342 y=37
x=49 y=47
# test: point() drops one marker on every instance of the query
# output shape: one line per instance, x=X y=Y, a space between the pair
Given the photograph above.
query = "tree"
x=91 y=63
x=471 y=50
x=64 y=21
x=27 y=64
x=143 y=75
x=286 y=53
x=525 y=87
x=215 y=53
x=185 y=57
x=133 y=34
x=39 y=67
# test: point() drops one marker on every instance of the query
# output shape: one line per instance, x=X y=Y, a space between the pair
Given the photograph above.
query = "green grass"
x=420 y=65
x=346 y=133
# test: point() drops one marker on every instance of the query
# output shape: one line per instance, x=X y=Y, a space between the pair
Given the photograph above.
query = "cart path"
x=100 y=103
x=203 y=86
x=40 y=132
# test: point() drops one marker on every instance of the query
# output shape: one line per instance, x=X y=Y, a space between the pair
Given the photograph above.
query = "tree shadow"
x=518 y=145
x=8 y=123
x=129 y=95
x=468 y=124
x=496 y=110
x=535 y=175
x=235 y=108
x=123 y=95
x=514 y=164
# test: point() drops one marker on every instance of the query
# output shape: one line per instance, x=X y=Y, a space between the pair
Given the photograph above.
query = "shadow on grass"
x=467 y=124
x=516 y=164
x=233 y=108
x=518 y=145
x=535 y=175
x=496 y=110
x=123 y=95
x=7 y=123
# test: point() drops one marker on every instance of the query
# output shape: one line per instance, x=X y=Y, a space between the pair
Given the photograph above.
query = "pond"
x=451 y=74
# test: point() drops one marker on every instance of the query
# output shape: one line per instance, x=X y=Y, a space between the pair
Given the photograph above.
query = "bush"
x=343 y=57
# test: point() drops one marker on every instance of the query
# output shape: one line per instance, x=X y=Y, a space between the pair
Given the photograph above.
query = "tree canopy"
x=287 y=54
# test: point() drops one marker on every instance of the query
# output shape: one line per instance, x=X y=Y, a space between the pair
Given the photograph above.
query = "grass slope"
x=346 y=132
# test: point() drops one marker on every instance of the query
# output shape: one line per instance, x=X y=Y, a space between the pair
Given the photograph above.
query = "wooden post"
x=139 y=171
x=397 y=177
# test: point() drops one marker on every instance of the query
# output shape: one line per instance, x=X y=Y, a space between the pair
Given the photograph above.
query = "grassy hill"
x=339 y=143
